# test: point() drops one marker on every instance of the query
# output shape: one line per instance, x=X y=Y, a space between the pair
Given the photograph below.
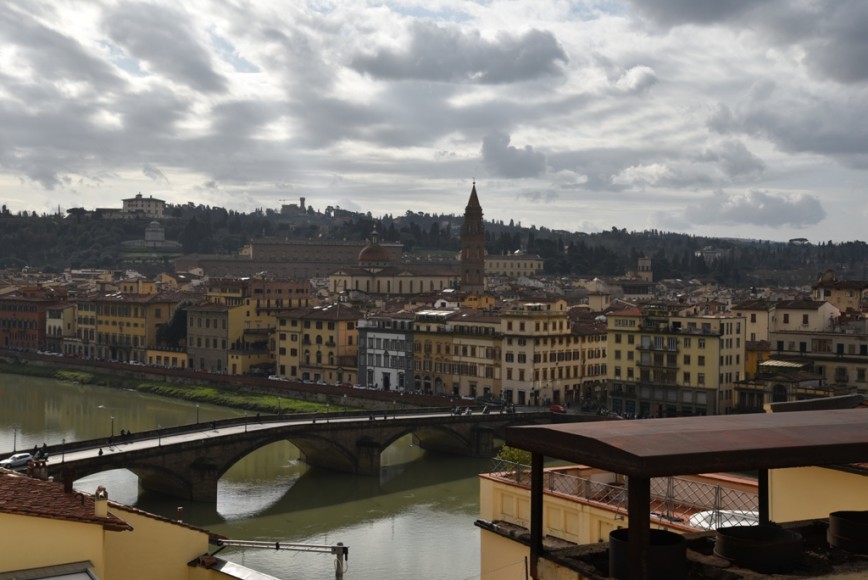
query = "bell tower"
x=473 y=246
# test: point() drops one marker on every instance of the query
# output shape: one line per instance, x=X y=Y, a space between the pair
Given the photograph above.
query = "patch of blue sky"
x=120 y=59
x=428 y=12
x=228 y=53
x=594 y=9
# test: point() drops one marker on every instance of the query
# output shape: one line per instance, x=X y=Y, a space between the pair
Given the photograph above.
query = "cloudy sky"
x=741 y=118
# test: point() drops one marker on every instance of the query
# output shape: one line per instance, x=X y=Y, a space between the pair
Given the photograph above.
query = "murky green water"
x=414 y=521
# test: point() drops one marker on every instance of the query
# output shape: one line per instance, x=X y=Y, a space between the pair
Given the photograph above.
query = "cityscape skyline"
x=726 y=119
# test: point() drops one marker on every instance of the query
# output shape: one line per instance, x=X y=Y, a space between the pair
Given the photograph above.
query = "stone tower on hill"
x=473 y=246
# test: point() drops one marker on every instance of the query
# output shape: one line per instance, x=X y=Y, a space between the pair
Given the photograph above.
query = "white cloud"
x=757 y=208
x=621 y=110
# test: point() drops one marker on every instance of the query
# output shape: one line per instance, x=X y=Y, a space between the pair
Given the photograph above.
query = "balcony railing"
x=673 y=499
x=658 y=364
x=658 y=348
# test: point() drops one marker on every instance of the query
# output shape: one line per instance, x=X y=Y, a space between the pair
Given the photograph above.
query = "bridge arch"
x=315 y=448
x=189 y=464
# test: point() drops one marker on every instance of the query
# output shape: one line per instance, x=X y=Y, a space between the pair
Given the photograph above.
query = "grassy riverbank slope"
x=255 y=402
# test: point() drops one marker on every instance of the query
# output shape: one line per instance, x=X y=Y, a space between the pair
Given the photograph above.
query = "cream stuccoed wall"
x=169 y=548
x=38 y=542
x=804 y=493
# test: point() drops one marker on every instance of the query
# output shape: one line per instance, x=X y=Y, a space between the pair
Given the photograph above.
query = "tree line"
x=82 y=239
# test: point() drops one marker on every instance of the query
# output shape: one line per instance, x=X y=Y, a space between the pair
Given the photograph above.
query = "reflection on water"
x=414 y=521
x=37 y=411
x=400 y=525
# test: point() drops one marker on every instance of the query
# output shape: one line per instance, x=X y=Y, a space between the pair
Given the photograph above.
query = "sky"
x=727 y=118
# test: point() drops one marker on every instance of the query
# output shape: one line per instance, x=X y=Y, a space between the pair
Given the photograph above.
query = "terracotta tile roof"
x=27 y=496
x=799 y=305
x=753 y=305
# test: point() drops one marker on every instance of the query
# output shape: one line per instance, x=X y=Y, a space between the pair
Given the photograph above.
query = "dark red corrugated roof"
x=688 y=445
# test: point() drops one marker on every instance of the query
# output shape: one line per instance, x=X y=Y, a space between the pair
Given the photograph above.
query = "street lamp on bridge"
x=197 y=413
x=113 y=428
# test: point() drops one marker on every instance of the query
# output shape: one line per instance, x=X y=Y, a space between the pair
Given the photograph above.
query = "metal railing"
x=673 y=499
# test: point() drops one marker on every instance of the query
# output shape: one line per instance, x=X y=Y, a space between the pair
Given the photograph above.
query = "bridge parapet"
x=188 y=461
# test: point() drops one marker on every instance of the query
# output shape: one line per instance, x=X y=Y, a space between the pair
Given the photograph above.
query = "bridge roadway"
x=188 y=461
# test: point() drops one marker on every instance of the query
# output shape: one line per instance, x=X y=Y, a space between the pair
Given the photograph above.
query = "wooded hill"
x=82 y=239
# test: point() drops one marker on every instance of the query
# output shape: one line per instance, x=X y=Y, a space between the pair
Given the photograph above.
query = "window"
x=687 y=359
x=700 y=378
x=700 y=360
x=753 y=317
x=786 y=318
x=805 y=319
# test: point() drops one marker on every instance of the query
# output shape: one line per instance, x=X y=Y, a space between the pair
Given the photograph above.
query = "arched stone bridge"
x=188 y=461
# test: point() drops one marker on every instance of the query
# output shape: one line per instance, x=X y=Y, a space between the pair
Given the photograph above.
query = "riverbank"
x=212 y=395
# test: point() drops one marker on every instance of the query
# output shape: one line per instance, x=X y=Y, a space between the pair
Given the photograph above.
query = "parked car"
x=16 y=460
x=557 y=408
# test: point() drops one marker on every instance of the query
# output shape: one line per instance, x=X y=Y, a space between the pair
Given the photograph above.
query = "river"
x=414 y=521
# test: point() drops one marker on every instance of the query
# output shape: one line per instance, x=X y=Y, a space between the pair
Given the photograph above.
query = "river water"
x=413 y=521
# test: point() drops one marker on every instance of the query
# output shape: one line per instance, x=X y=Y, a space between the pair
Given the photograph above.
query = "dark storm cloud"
x=152 y=172
x=151 y=114
x=52 y=56
x=735 y=159
x=504 y=160
x=163 y=38
x=674 y=12
x=438 y=53
x=236 y=119
x=840 y=50
x=539 y=196
x=831 y=34
x=835 y=127
x=756 y=208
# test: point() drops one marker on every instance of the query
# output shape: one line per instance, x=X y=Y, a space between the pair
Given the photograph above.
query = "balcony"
x=674 y=500
x=658 y=364
x=657 y=348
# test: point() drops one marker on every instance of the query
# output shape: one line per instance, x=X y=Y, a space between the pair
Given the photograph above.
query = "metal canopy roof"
x=688 y=445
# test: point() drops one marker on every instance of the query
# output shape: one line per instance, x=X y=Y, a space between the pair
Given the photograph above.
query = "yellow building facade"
x=318 y=344
x=665 y=364
x=581 y=506
x=60 y=532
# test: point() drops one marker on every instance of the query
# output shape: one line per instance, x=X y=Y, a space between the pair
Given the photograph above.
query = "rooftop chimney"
x=100 y=502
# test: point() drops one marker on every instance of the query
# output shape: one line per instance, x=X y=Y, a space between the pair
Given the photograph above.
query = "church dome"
x=374 y=253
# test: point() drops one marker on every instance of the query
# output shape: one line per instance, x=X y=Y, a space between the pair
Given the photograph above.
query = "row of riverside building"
x=456 y=331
